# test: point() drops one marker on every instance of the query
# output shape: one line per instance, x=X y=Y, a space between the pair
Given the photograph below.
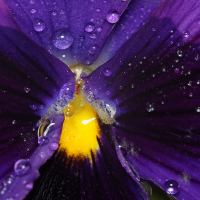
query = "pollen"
x=80 y=129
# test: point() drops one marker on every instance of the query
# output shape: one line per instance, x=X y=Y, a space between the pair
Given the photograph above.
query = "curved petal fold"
x=73 y=31
x=30 y=82
x=102 y=177
x=154 y=83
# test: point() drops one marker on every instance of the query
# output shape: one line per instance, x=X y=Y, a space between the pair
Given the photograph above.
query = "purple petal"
x=20 y=181
x=154 y=82
x=103 y=177
x=68 y=29
x=132 y=19
x=30 y=82
x=5 y=17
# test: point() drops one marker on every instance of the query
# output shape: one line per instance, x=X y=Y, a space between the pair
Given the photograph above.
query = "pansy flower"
x=67 y=133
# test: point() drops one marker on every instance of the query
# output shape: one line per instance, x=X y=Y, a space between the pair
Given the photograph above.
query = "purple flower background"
x=152 y=56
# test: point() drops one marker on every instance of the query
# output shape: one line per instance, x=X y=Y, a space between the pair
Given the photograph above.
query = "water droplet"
x=39 y=25
x=32 y=10
x=43 y=140
x=107 y=72
x=198 y=109
x=108 y=93
x=197 y=57
x=153 y=29
x=120 y=87
x=27 y=90
x=62 y=39
x=98 y=10
x=14 y=122
x=29 y=186
x=33 y=107
x=93 y=49
x=176 y=70
x=150 y=107
x=69 y=111
x=190 y=83
x=180 y=53
x=53 y=12
x=186 y=34
x=171 y=186
x=113 y=16
x=42 y=156
x=32 y=1
x=99 y=29
x=54 y=3
x=53 y=146
x=62 y=11
x=22 y=167
x=190 y=94
x=89 y=27
x=16 y=4
x=132 y=85
x=93 y=35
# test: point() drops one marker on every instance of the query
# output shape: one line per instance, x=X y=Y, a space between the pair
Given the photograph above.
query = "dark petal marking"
x=72 y=18
x=155 y=84
x=29 y=84
x=103 y=179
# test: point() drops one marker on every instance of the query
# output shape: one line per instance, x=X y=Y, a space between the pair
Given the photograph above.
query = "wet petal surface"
x=133 y=18
x=29 y=85
x=103 y=177
x=68 y=29
x=154 y=84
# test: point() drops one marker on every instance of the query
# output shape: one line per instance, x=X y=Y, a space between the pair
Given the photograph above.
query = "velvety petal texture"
x=133 y=18
x=29 y=86
x=153 y=82
x=101 y=177
x=5 y=17
x=73 y=31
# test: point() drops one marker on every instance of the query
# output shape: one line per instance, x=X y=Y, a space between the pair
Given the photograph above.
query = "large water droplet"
x=43 y=140
x=22 y=167
x=53 y=146
x=39 y=25
x=150 y=107
x=107 y=72
x=113 y=16
x=62 y=39
x=171 y=186
x=89 y=27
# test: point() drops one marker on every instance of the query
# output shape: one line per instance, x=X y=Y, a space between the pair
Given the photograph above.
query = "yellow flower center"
x=80 y=129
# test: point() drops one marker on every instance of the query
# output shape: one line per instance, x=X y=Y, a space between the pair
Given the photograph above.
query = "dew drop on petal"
x=93 y=49
x=107 y=72
x=150 y=107
x=22 y=167
x=29 y=186
x=62 y=11
x=171 y=186
x=43 y=140
x=32 y=1
x=108 y=93
x=132 y=85
x=99 y=29
x=89 y=27
x=33 y=107
x=186 y=34
x=113 y=16
x=53 y=12
x=62 y=39
x=53 y=146
x=32 y=10
x=198 y=109
x=180 y=53
x=176 y=70
x=39 y=25
x=14 y=122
